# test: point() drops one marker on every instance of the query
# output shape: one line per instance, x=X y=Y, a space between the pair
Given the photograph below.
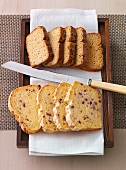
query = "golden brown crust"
x=45 y=34
x=58 y=33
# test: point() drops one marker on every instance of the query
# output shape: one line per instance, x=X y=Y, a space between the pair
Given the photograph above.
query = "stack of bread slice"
x=56 y=108
x=65 y=47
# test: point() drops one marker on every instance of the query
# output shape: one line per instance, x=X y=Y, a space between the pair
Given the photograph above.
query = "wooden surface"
x=103 y=27
x=13 y=158
x=19 y=7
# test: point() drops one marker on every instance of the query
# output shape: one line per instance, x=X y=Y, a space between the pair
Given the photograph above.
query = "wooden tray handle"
x=108 y=86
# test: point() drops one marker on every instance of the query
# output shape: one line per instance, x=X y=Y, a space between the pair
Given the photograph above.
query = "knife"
x=51 y=76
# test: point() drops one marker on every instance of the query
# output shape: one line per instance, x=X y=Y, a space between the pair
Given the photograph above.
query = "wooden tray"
x=103 y=27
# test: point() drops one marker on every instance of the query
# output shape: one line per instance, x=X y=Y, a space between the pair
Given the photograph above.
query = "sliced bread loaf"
x=69 y=46
x=57 y=37
x=45 y=104
x=23 y=105
x=38 y=47
x=94 y=59
x=81 y=48
x=59 y=107
x=84 y=107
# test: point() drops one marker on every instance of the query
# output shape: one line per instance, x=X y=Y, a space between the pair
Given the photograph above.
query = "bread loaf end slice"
x=94 y=59
x=23 y=105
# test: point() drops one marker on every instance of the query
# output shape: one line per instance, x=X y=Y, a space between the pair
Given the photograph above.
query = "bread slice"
x=81 y=35
x=81 y=48
x=94 y=59
x=38 y=47
x=84 y=107
x=59 y=108
x=69 y=46
x=57 y=37
x=23 y=105
x=70 y=34
x=69 y=53
x=45 y=104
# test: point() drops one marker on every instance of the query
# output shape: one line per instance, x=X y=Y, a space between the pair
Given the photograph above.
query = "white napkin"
x=68 y=143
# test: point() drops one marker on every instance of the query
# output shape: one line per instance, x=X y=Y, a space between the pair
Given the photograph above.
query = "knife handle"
x=108 y=86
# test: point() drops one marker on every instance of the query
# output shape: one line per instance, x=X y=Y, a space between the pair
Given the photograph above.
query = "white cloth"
x=66 y=143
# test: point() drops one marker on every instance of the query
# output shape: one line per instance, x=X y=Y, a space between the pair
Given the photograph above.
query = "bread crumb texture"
x=84 y=107
x=59 y=107
x=23 y=105
x=45 y=103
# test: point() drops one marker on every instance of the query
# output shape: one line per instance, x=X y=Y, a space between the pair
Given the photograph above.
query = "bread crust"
x=69 y=46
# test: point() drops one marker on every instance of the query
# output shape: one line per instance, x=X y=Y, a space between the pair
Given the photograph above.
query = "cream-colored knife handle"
x=108 y=86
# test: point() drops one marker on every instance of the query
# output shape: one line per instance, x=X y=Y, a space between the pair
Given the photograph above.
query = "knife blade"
x=48 y=75
x=41 y=74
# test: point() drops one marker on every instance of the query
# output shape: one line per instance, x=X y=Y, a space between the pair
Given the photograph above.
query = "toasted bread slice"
x=23 y=105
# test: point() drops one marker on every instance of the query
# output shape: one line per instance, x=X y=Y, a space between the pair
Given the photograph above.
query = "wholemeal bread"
x=71 y=35
x=45 y=104
x=94 y=59
x=59 y=107
x=81 y=35
x=84 y=107
x=23 y=105
x=57 y=37
x=38 y=47
x=69 y=46
x=81 y=48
